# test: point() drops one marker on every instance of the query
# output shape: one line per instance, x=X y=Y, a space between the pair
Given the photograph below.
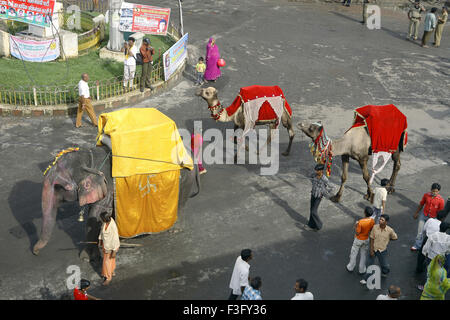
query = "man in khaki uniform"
x=414 y=16
x=84 y=102
x=441 y=21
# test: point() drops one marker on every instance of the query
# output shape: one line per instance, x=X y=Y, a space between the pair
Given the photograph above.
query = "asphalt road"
x=327 y=64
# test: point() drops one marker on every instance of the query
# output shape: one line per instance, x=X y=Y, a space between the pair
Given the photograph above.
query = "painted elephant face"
x=91 y=189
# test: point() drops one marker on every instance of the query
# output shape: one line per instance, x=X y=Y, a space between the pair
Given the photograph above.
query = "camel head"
x=208 y=94
x=312 y=130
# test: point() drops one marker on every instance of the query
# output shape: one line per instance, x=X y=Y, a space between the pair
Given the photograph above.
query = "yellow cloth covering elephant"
x=147 y=156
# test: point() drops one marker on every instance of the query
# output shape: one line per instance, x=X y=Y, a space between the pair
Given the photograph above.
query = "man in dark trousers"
x=320 y=187
x=147 y=53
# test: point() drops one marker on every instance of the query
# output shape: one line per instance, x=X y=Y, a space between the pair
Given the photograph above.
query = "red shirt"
x=79 y=295
x=432 y=204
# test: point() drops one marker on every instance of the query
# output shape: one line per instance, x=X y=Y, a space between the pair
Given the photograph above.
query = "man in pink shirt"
x=431 y=203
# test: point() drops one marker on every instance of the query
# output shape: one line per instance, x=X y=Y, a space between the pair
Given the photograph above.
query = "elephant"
x=72 y=179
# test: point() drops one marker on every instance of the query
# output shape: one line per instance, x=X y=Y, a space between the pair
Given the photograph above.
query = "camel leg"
x=291 y=133
x=395 y=170
x=366 y=176
x=345 y=162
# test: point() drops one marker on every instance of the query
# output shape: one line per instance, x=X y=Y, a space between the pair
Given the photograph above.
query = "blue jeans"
x=419 y=237
x=382 y=259
x=199 y=77
x=376 y=215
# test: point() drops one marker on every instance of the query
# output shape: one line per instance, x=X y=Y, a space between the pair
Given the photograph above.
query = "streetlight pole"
x=181 y=16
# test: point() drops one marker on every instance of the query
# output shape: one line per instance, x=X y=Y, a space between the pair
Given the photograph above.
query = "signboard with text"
x=36 y=12
x=145 y=19
x=34 y=51
x=175 y=56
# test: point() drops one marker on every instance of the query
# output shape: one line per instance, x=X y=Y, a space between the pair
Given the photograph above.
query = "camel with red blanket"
x=255 y=105
x=380 y=130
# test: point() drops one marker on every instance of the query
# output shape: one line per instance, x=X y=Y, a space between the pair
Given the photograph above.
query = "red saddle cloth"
x=385 y=124
x=253 y=92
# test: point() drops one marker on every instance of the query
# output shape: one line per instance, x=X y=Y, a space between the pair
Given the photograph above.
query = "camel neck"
x=217 y=111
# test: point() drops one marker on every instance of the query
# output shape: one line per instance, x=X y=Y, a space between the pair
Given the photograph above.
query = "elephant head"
x=70 y=179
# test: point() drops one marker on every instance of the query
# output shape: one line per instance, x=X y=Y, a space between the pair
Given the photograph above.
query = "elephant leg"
x=366 y=176
x=187 y=180
x=345 y=162
x=395 y=170
x=291 y=133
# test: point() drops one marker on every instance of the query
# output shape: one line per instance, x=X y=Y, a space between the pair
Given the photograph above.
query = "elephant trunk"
x=50 y=203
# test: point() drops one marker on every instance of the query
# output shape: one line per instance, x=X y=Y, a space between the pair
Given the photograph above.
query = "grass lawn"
x=68 y=72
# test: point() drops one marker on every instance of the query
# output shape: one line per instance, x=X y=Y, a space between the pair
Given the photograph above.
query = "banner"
x=36 y=12
x=145 y=19
x=175 y=56
x=35 y=51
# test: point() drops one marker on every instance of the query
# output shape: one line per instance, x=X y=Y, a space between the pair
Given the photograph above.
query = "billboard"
x=33 y=50
x=145 y=19
x=174 y=57
x=36 y=12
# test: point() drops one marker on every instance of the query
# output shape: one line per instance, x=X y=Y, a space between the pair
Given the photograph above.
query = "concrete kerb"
x=99 y=106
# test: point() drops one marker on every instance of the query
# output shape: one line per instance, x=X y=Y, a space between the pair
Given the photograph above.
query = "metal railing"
x=65 y=94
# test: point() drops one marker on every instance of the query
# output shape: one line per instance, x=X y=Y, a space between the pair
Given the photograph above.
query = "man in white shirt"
x=437 y=243
x=240 y=276
x=84 y=101
x=430 y=227
x=129 y=64
x=379 y=200
x=393 y=294
x=300 y=291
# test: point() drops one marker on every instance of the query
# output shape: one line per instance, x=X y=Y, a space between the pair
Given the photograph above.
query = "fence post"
x=35 y=96
x=98 y=91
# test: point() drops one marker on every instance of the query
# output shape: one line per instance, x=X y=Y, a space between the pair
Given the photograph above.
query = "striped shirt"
x=320 y=186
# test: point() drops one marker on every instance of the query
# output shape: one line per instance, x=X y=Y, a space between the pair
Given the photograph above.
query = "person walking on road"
x=437 y=282
x=240 y=275
x=85 y=101
x=394 y=293
x=200 y=68
x=320 y=187
x=431 y=203
x=380 y=236
x=147 y=53
x=212 y=72
x=253 y=291
x=109 y=241
x=441 y=21
x=379 y=200
x=415 y=16
x=430 y=227
x=300 y=291
x=429 y=26
x=361 y=241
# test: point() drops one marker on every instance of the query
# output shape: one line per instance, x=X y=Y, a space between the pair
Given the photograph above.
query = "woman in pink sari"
x=212 y=71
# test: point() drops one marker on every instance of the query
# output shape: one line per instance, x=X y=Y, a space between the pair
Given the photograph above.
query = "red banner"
x=145 y=19
x=37 y=12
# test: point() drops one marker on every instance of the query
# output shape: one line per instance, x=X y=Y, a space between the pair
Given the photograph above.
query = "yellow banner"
x=146 y=203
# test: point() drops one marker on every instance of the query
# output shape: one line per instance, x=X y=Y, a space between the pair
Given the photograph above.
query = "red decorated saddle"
x=266 y=112
x=385 y=124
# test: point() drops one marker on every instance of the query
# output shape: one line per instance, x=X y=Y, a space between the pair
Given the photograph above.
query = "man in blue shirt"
x=252 y=291
x=430 y=25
